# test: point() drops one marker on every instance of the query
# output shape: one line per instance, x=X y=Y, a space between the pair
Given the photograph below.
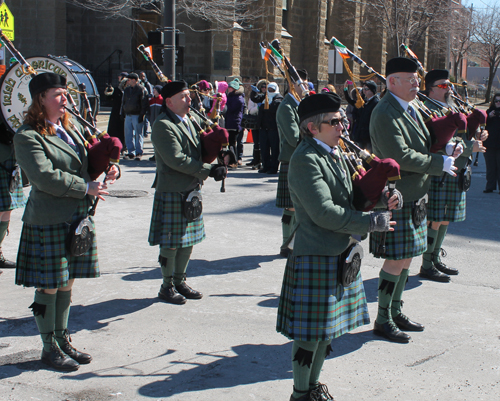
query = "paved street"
x=225 y=347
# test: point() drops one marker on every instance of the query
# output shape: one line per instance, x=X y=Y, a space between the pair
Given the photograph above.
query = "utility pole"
x=169 y=38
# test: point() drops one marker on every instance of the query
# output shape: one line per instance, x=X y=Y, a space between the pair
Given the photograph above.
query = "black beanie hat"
x=400 y=64
x=173 y=88
x=435 y=75
x=47 y=80
x=371 y=85
x=320 y=103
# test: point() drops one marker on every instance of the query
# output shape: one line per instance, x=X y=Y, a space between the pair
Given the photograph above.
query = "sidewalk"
x=225 y=347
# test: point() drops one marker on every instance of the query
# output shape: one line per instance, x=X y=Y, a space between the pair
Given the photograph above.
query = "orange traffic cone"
x=249 y=137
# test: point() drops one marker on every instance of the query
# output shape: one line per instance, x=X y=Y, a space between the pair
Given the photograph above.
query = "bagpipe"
x=155 y=67
x=442 y=129
x=475 y=118
x=103 y=150
x=213 y=139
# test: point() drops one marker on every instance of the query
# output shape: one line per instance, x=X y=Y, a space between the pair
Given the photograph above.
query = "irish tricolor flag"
x=341 y=49
x=265 y=53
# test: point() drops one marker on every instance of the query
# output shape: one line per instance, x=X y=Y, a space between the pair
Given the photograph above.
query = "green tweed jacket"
x=6 y=152
x=178 y=155
x=322 y=196
x=287 y=119
x=395 y=134
x=57 y=175
x=461 y=161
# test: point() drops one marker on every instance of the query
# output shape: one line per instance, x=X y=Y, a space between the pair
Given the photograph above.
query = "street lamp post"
x=169 y=38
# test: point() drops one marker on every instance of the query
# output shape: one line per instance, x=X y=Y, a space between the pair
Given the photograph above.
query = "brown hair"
x=37 y=119
x=492 y=104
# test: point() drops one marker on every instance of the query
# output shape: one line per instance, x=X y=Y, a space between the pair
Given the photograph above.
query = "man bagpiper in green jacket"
x=397 y=131
x=446 y=198
x=180 y=172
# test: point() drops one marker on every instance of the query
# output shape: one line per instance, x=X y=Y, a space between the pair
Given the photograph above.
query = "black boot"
x=170 y=295
x=256 y=158
x=58 y=360
x=81 y=357
x=4 y=263
x=187 y=291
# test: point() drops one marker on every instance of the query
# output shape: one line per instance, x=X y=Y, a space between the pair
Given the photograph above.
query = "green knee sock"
x=181 y=264
x=302 y=361
x=431 y=243
x=44 y=310
x=167 y=263
x=439 y=242
x=4 y=227
x=287 y=223
x=63 y=302
x=398 y=293
x=317 y=365
x=386 y=285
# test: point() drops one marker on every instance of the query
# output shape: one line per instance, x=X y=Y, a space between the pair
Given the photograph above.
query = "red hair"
x=37 y=118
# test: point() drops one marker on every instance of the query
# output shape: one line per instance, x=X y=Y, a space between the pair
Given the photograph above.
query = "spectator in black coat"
x=492 y=145
x=116 y=124
x=361 y=132
x=268 y=131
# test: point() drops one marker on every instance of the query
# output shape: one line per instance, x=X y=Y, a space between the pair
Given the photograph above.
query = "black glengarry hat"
x=435 y=75
x=303 y=74
x=321 y=103
x=173 y=88
x=371 y=85
x=400 y=64
x=48 y=80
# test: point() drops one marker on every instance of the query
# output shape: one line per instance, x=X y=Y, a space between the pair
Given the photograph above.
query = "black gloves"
x=218 y=172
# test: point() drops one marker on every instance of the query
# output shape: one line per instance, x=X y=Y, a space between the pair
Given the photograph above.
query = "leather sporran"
x=15 y=179
x=350 y=264
x=465 y=178
x=80 y=237
x=419 y=212
x=192 y=205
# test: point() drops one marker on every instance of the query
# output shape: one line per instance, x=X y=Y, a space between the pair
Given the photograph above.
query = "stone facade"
x=107 y=46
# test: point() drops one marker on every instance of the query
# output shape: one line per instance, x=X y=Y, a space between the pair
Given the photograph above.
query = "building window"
x=284 y=18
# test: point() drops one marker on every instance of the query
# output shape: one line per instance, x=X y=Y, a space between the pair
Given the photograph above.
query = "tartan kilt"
x=10 y=201
x=42 y=258
x=446 y=203
x=313 y=305
x=406 y=241
x=169 y=228
x=283 y=199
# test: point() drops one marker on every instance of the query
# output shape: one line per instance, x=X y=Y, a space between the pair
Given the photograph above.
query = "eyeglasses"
x=446 y=85
x=412 y=81
x=333 y=122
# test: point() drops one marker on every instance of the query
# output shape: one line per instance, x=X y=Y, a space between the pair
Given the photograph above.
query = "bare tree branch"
x=221 y=13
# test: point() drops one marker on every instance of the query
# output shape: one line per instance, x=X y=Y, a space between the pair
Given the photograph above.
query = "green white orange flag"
x=341 y=49
x=265 y=53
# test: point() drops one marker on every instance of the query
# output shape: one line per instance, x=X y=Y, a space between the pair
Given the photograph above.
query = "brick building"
x=107 y=46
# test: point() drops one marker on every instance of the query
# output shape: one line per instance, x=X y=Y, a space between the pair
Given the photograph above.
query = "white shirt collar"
x=324 y=145
x=404 y=104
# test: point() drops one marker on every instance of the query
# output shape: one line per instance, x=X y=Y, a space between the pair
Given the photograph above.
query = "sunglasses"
x=446 y=85
x=333 y=122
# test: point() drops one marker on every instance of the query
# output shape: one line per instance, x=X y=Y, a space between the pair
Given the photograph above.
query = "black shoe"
x=390 y=331
x=257 y=166
x=445 y=269
x=434 y=275
x=251 y=163
x=488 y=191
x=6 y=264
x=170 y=295
x=186 y=291
x=138 y=157
x=405 y=324
x=263 y=170
x=152 y=159
x=320 y=393
x=131 y=156
x=81 y=357
x=59 y=360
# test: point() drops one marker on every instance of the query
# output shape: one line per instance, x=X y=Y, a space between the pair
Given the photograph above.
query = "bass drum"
x=15 y=93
